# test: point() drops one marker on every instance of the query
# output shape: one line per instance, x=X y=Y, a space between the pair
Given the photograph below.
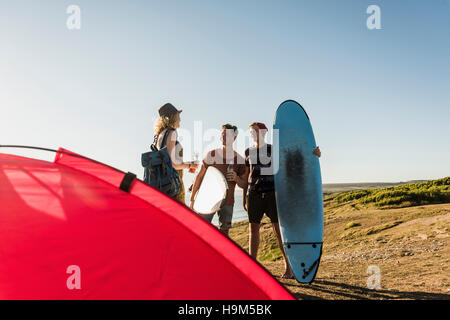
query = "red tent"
x=78 y=229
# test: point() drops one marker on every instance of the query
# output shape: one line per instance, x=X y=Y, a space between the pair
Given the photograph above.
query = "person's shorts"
x=225 y=216
x=259 y=204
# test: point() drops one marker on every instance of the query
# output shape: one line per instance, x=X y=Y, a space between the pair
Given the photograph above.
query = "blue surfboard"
x=298 y=190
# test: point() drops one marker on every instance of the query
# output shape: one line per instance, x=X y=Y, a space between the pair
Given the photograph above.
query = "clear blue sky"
x=378 y=100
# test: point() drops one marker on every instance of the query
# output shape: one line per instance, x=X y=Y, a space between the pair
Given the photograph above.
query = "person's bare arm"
x=196 y=186
x=177 y=164
x=247 y=173
x=241 y=180
x=244 y=198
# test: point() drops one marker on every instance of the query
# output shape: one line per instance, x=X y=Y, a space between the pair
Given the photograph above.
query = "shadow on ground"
x=346 y=291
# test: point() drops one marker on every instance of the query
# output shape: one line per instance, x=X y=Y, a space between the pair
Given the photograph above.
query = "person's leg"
x=207 y=217
x=287 y=267
x=253 y=239
x=273 y=215
x=225 y=219
x=255 y=214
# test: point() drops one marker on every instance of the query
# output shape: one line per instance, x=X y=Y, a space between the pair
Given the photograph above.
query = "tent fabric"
x=66 y=215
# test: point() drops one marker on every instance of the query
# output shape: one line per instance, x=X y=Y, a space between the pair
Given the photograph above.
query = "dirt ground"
x=410 y=246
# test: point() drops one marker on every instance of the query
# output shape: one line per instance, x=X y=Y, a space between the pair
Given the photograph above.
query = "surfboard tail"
x=304 y=259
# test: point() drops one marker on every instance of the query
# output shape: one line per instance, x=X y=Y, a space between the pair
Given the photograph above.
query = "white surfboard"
x=212 y=193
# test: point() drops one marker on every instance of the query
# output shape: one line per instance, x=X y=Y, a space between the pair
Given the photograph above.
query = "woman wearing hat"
x=169 y=118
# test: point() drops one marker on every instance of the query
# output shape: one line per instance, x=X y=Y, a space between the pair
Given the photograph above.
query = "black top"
x=259 y=161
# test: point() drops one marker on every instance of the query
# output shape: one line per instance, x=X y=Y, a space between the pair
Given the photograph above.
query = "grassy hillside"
x=413 y=194
x=408 y=240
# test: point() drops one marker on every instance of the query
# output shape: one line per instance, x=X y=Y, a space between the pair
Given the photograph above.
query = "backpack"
x=158 y=170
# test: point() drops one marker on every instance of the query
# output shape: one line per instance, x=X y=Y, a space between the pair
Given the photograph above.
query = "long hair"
x=165 y=122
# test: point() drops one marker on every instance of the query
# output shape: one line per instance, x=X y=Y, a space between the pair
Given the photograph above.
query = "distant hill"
x=402 y=195
x=341 y=187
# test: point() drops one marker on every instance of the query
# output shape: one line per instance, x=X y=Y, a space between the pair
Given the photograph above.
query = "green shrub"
x=432 y=191
x=352 y=224
x=352 y=195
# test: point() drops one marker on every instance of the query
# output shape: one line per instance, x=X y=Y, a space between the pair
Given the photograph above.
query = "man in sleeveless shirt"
x=261 y=196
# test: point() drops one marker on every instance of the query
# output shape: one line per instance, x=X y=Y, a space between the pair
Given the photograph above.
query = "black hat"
x=167 y=110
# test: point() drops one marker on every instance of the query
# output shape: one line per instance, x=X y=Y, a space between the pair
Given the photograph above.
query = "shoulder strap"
x=166 y=134
x=269 y=150
x=153 y=146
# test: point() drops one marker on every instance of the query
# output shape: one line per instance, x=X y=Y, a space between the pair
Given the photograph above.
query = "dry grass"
x=409 y=245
